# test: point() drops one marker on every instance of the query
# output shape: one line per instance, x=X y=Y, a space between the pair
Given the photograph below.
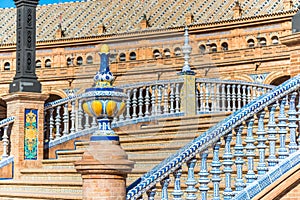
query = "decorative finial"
x=104 y=77
x=186 y=50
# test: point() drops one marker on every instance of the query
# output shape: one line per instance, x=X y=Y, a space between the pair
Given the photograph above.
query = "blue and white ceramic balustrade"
x=103 y=101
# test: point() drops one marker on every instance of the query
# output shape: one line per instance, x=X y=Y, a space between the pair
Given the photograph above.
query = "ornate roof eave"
x=155 y=32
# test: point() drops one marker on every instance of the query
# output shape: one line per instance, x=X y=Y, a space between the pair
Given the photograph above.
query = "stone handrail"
x=5 y=133
x=231 y=160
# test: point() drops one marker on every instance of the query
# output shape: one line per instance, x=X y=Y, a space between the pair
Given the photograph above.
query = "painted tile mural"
x=30 y=138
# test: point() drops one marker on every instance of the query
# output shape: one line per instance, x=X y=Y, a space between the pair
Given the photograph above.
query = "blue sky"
x=10 y=3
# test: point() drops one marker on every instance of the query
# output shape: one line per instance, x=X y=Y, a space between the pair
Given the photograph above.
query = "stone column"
x=27 y=134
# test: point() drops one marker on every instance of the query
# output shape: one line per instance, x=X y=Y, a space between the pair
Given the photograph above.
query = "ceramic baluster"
x=207 y=93
x=293 y=147
x=223 y=97
x=128 y=105
x=134 y=104
x=203 y=174
x=164 y=185
x=5 y=142
x=151 y=193
x=141 y=102
x=261 y=146
x=57 y=122
x=228 y=162
x=172 y=98
x=177 y=193
x=202 y=104
x=73 y=117
x=228 y=98
x=191 y=182
x=166 y=99
x=244 y=95
x=282 y=151
x=159 y=100
x=239 y=162
x=250 y=151
x=233 y=98
x=147 y=102
x=80 y=116
x=66 y=119
x=239 y=97
x=215 y=171
x=272 y=160
x=177 y=99
x=51 y=125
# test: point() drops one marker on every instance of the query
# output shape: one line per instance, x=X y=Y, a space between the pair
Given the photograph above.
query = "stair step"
x=59 y=163
x=40 y=190
x=38 y=196
x=51 y=175
x=70 y=154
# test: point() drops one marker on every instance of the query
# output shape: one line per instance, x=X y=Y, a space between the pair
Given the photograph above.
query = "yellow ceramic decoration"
x=86 y=109
x=111 y=107
x=104 y=48
x=96 y=106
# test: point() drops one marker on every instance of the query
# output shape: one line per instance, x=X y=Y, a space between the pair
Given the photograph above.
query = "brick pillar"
x=17 y=103
x=188 y=95
x=104 y=168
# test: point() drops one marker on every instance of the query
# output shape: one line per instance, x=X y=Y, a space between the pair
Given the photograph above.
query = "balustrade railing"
x=150 y=100
x=237 y=151
x=5 y=135
x=215 y=95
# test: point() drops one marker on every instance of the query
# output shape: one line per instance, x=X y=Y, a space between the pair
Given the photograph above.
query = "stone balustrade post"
x=188 y=95
x=104 y=169
x=27 y=134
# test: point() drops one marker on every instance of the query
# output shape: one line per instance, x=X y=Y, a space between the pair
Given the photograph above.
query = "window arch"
x=69 y=61
x=7 y=66
x=156 y=53
x=48 y=63
x=202 y=48
x=89 y=60
x=275 y=40
x=177 y=51
x=132 y=56
x=38 y=64
x=224 y=46
x=167 y=53
x=122 y=57
x=263 y=41
x=79 y=60
x=250 y=43
x=213 y=47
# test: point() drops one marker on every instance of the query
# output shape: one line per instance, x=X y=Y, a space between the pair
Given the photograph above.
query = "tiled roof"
x=82 y=19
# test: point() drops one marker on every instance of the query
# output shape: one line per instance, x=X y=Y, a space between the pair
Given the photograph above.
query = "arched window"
x=275 y=40
x=48 y=63
x=89 y=60
x=213 y=47
x=202 y=49
x=79 y=61
x=69 y=61
x=250 y=43
x=263 y=41
x=38 y=64
x=7 y=66
x=177 y=51
x=167 y=53
x=122 y=57
x=156 y=54
x=132 y=56
x=224 y=46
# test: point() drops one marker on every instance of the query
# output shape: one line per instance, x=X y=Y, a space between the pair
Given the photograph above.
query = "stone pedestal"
x=17 y=104
x=188 y=95
x=104 y=168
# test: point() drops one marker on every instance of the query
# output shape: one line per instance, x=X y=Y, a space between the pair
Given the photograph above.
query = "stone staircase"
x=147 y=146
